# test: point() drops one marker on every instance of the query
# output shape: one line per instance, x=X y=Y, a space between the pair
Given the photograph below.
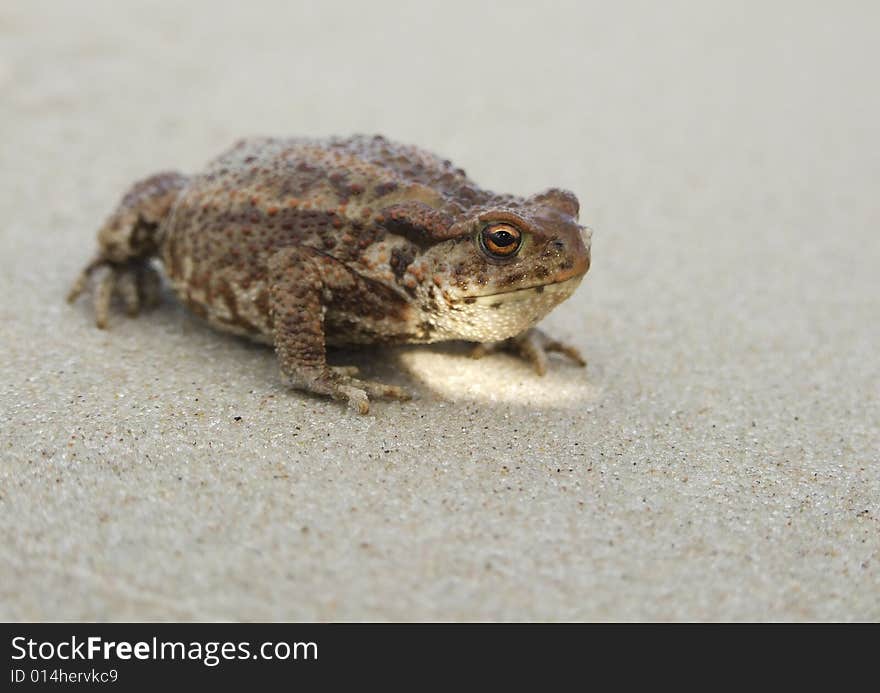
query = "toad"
x=304 y=243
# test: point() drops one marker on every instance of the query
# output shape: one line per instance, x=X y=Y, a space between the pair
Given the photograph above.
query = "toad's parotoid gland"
x=303 y=243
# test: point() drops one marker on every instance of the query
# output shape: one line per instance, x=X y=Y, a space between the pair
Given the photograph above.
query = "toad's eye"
x=500 y=240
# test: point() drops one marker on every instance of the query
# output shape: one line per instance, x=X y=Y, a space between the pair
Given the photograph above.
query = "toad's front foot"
x=135 y=281
x=339 y=383
x=532 y=345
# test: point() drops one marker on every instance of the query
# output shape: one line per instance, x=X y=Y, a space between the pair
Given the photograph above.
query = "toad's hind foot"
x=533 y=346
x=136 y=282
x=126 y=242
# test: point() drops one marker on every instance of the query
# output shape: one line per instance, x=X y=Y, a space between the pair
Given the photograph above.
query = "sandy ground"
x=717 y=460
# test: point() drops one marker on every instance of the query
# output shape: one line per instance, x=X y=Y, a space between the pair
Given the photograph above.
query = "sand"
x=718 y=459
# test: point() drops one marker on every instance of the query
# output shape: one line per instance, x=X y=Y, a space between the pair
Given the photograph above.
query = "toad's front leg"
x=533 y=346
x=299 y=279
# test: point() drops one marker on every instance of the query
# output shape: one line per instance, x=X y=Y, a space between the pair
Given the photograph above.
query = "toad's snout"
x=572 y=250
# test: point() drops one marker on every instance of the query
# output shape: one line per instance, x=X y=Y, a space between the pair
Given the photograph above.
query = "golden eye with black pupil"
x=500 y=240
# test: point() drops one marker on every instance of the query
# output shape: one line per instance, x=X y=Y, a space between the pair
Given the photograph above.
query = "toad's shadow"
x=446 y=372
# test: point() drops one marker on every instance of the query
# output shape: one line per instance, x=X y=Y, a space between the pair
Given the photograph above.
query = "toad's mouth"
x=556 y=290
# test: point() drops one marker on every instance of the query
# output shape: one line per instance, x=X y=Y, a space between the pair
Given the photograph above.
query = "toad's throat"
x=561 y=290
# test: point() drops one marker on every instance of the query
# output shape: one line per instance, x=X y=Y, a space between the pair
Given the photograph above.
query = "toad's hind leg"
x=127 y=242
x=299 y=279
